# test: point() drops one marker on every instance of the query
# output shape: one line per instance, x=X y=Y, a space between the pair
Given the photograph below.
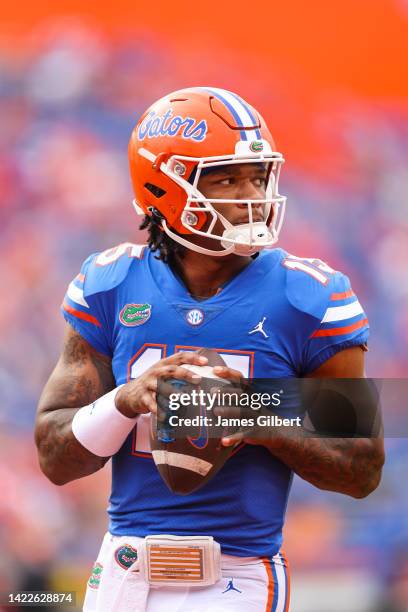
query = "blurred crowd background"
x=331 y=85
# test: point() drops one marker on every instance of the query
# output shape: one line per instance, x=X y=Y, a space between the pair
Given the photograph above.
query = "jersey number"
x=149 y=354
x=316 y=268
x=126 y=248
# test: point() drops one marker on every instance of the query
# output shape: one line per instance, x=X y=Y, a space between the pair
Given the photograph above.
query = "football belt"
x=179 y=561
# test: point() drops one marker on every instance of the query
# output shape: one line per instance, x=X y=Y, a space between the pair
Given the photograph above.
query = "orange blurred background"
x=305 y=56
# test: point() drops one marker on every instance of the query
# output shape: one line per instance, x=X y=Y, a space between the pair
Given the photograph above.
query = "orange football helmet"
x=186 y=132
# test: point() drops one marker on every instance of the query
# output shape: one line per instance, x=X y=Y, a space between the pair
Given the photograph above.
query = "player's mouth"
x=243 y=220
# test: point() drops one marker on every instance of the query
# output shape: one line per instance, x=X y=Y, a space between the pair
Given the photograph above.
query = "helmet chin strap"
x=195 y=247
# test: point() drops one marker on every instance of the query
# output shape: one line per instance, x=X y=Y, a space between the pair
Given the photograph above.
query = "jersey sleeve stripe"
x=342 y=296
x=81 y=315
x=340 y=331
x=77 y=295
x=80 y=277
x=339 y=313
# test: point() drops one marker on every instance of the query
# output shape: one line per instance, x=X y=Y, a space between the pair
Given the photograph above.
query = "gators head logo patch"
x=95 y=576
x=125 y=555
x=135 y=314
x=256 y=146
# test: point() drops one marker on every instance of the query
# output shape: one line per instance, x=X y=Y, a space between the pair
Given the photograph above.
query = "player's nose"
x=249 y=191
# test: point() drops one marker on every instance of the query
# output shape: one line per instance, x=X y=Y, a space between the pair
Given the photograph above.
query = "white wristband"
x=100 y=427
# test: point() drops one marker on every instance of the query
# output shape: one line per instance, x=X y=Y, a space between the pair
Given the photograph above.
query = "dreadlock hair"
x=158 y=240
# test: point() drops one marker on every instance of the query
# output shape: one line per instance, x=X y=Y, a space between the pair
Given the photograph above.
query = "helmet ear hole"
x=158 y=192
x=156 y=214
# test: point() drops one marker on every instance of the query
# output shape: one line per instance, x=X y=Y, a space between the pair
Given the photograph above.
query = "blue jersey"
x=282 y=316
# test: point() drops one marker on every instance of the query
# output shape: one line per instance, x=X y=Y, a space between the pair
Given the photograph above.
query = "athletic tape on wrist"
x=100 y=427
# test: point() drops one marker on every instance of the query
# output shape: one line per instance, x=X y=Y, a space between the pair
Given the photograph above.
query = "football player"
x=205 y=172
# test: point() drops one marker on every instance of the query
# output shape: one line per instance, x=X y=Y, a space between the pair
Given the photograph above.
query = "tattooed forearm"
x=346 y=465
x=81 y=376
x=62 y=458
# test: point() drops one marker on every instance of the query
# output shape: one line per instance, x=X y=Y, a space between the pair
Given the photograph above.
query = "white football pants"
x=248 y=584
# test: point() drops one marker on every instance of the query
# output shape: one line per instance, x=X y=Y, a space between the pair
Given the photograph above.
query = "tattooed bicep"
x=76 y=350
x=79 y=355
x=81 y=375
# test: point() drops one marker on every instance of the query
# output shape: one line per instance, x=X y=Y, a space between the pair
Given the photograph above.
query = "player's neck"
x=204 y=276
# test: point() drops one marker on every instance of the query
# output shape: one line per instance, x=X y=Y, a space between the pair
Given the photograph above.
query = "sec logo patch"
x=195 y=317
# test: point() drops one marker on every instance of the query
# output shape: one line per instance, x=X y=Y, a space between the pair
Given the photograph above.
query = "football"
x=187 y=462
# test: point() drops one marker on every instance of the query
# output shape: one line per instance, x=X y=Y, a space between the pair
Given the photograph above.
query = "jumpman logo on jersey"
x=230 y=587
x=259 y=328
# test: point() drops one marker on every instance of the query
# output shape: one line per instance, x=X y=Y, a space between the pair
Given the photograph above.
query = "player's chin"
x=207 y=242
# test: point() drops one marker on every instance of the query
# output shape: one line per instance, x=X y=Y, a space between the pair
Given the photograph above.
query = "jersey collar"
x=175 y=291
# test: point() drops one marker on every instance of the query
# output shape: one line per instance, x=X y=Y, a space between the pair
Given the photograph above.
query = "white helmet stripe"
x=237 y=107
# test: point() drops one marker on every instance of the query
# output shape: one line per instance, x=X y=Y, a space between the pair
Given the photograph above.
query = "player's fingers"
x=237 y=437
x=156 y=381
x=149 y=402
x=232 y=439
x=255 y=441
x=178 y=372
x=151 y=383
x=228 y=373
x=186 y=357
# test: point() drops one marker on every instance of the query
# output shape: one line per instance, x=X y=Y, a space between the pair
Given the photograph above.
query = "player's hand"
x=244 y=436
x=229 y=374
x=255 y=435
x=270 y=437
x=139 y=395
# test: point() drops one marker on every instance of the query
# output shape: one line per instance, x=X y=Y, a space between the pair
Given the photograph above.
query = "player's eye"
x=226 y=181
x=260 y=181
